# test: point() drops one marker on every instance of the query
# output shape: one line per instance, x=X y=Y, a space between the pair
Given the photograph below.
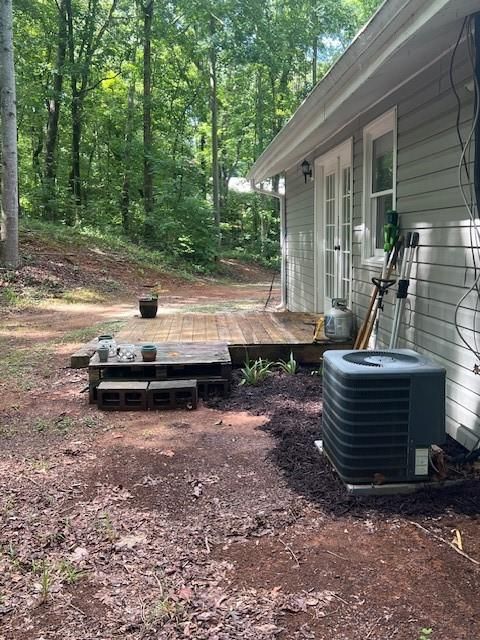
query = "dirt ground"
x=222 y=523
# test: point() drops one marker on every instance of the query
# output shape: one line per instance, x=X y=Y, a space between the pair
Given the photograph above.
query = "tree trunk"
x=37 y=148
x=203 y=165
x=74 y=175
x=259 y=107
x=80 y=69
x=214 y=131
x=125 y=195
x=53 y=106
x=147 y=117
x=75 y=170
x=314 y=61
x=8 y=115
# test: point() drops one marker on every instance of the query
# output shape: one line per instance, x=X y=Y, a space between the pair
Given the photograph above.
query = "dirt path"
x=221 y=523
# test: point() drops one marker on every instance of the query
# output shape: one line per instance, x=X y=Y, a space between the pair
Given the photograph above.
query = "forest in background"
x=134 y=118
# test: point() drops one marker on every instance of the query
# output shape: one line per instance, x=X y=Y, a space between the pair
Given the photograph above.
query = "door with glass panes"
x=334 y=225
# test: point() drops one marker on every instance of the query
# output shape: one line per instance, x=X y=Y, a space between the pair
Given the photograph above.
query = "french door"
x=333 y=222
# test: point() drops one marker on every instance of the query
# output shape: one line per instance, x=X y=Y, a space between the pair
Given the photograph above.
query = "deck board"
x=249 y=334
x=255 y=327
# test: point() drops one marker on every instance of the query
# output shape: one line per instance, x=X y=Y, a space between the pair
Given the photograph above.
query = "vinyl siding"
x=299 y=243
x=429 y=201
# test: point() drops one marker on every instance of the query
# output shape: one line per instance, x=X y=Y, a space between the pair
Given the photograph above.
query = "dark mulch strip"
x=294 y=407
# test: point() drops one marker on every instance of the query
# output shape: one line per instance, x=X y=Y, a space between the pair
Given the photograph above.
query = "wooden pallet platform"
x=204 y=362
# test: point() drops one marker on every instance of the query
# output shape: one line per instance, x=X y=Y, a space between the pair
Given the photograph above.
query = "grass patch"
x=69 y=573
x=9 y=297
x=23 y=365
x=89 y=333
x=62 y=424
x=81 y=295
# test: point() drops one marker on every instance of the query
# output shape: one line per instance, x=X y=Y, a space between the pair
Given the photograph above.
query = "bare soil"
x=222 y=523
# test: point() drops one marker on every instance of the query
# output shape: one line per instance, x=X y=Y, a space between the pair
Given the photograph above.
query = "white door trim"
x=341 y=156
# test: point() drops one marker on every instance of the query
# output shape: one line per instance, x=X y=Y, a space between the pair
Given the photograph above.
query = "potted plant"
x=148 y=305
x=149 y=352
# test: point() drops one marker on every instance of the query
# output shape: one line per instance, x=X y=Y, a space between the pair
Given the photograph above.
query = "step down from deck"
x=213 y=388
x=172 y=394
x=122 y=396
x=209 y=364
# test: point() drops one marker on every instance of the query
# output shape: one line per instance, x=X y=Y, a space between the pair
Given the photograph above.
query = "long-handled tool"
x=365 y=331
x=390 y=237
x=403 y=284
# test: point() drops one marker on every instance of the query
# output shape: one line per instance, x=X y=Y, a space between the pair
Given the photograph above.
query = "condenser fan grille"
x=380 y=359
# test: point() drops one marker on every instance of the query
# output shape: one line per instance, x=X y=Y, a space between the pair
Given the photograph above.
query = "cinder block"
x=213 y=388
x=173 y=394
x=122 y=395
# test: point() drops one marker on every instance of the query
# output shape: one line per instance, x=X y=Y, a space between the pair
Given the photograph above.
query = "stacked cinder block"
x=172 y=394
x=129 y=395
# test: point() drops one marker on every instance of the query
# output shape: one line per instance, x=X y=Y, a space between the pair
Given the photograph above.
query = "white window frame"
x=379 y=127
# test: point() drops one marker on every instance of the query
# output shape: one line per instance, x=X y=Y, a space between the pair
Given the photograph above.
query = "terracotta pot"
x=148 y=307
x=149 y=353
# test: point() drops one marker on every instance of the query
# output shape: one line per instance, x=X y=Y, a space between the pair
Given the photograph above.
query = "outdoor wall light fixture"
x=306 y=170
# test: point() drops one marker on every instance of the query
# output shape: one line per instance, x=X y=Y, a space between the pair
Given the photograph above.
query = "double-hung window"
x=379 y=143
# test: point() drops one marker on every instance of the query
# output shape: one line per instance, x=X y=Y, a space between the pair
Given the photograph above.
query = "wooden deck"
x=249 y=335
x=237 y=328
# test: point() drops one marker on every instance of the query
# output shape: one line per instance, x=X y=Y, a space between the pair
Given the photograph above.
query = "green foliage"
x=319 y=371
x=69 y=573
x=163 y=610
x=290 y=366
x=44 y=585
x=264 y=67
x=255 y=372
x=8 y=297
x=251 y=229
x=426 y=634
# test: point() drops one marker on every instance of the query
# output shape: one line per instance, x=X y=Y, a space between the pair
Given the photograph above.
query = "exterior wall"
x=429 y=201
x=299 y=242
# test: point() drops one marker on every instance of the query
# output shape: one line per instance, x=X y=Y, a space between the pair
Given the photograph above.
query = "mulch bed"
x=294 y=407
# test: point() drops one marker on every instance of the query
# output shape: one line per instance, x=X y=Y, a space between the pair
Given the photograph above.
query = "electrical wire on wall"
x=469 y=188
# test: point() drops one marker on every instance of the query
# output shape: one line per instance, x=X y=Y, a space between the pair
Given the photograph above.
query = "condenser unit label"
x=421 y=462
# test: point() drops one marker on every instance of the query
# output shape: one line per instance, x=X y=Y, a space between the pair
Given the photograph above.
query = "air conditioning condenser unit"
x=382 y=411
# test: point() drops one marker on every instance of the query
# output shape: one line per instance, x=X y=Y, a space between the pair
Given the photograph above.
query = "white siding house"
x=389 y=99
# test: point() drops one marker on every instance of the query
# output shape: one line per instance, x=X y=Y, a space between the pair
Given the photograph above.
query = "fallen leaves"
x=130 y=541
x=79 y=554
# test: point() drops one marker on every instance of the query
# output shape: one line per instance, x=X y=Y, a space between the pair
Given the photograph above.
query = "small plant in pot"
x=148 y=305
x=149 y=352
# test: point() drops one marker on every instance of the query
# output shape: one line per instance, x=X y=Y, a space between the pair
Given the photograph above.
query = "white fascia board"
x=395 y=24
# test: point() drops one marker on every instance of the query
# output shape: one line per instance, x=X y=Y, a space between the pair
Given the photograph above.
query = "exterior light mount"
x=306 y=170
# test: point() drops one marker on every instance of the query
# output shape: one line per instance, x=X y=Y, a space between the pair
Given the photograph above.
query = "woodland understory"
x=136 y=118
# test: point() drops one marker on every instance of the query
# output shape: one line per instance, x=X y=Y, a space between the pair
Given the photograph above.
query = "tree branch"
x=96 y=84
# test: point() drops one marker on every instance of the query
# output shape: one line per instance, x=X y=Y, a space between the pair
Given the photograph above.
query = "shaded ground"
x=53 y=273
x=222 y=523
